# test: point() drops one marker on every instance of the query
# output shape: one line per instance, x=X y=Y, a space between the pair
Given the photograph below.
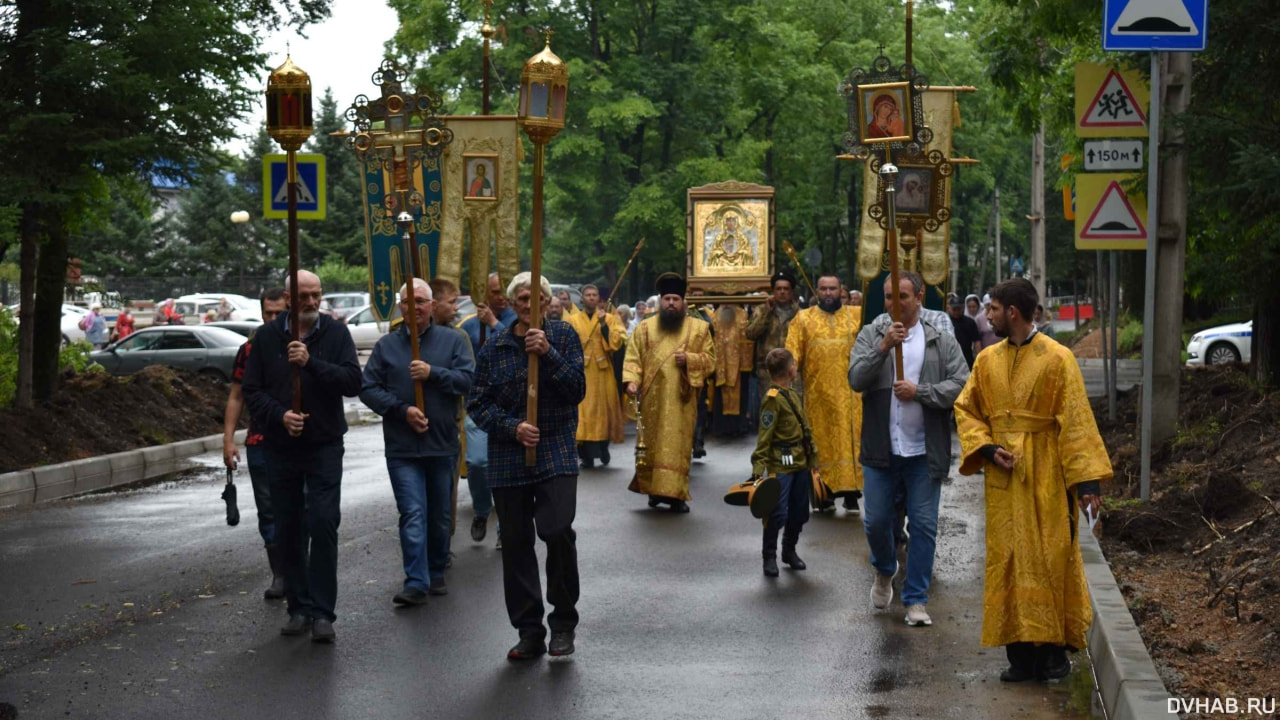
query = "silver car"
x=206 y=350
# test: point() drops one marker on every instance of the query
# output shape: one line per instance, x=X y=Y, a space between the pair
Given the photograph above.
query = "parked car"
x=243 y=328
x=195 y=307
x=346 y=304
x=365 y=328
x=199 y=348
x=70 y=324
x=1221 y=345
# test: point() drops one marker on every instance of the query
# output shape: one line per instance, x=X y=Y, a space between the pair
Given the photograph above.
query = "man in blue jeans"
x=491 y=317
x=421 y=447
x=906 y=437
x=304 y=449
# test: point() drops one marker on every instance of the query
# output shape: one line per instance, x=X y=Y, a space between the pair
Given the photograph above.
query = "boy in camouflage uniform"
x=784 y=449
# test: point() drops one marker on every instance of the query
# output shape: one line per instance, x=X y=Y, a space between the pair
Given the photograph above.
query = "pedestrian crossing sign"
x=1110 y=103
x=1108 y=217
x=311 y=186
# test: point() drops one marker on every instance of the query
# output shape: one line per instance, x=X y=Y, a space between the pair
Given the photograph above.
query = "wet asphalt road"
x=144 y=604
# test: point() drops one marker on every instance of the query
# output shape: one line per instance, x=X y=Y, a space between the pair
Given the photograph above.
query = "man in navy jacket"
x=304 y=450
x=421 y=448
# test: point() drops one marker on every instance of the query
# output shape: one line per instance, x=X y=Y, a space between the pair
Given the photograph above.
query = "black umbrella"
x=229 y=494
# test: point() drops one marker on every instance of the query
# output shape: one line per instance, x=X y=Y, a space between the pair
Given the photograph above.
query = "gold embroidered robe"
x=668 y=400
x=1031 y=401
x=600 y=413
x=821 y=342
x=734 y=356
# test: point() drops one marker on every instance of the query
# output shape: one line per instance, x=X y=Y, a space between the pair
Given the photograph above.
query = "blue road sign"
x=1151 y=25
x=311 y=186
x=1015 y=266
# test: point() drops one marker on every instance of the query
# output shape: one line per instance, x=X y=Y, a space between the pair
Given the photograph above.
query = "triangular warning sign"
x=1155 y=17
x=305 y=196
x=1114 y=218
x=1114 y=106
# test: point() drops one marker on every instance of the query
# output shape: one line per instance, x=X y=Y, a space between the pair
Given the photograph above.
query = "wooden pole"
x=894 y=261
x=412 y=272
x=623 y=274
x=909 y=32
x=487 y=31
x=790 y=250
x=535 y=292
x=292 y=182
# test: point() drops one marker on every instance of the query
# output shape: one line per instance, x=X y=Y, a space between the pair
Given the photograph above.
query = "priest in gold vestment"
x=1025 y=420
x=735 y=356
x=669 y=358
x=821 y=339
x=600 y=414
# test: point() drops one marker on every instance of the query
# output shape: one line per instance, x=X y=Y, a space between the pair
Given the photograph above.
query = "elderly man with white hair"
x=538 y=500
x=304 y=449
x=421 y=447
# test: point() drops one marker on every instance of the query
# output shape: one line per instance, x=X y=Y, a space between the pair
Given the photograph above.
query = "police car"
x=1222 y=344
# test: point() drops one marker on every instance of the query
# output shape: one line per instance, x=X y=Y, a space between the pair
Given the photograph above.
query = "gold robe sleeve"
x=1080 y=448
x=700 y=356
x=797 y=336
x=971 y=419
x=617 y=333
x=633 y=362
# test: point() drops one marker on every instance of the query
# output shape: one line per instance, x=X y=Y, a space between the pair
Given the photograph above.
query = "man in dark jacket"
x=542 y=498
x=304 y=449
x=421 y=448
x=906 y=437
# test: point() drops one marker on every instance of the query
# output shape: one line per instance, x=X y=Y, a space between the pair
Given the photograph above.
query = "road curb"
x=1128 y=683
x=54 y=482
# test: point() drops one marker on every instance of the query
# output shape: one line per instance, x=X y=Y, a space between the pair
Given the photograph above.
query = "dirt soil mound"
x=1200 y=563
x=96 y=413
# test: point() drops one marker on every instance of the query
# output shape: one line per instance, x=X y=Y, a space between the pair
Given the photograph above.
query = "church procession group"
x=859 y=410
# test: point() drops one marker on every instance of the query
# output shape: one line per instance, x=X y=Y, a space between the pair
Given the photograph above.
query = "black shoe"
x=790 y=557
x=588 y=463
x=828 y=506
x=529 y=648
x=1016 y=674
x=679 y=506
x=1054 y=665
x=438 y=588
x=409 y=596
x=479 y=525
x=851 y=504
x=654 y=502
x=699 y=451
x=770 y=567
x=297 y=625
x=561 y=644
x=448 y=562
x=604 y=460
x=322 y=632
x=276 y=591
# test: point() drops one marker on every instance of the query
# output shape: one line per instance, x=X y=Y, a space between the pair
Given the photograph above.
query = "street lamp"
x=240 y=217
x=544 y=84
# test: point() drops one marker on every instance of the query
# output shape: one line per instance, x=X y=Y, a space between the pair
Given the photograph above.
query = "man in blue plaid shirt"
x=539 y=500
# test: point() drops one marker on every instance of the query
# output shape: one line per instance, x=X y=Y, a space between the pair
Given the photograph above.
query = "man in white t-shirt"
x=906 y=437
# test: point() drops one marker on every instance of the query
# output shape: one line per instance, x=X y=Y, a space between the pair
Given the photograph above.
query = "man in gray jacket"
x=906 y=437
x=421 y=447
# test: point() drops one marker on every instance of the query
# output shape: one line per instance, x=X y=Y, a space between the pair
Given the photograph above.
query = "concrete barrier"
x=127 y=467
x=54 y=481
x=17 y=488
x=1128 y=683
x=92 y=473
x=159 y=460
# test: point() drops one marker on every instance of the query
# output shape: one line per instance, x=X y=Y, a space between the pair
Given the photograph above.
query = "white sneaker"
x=882 y=591
x=917 y=616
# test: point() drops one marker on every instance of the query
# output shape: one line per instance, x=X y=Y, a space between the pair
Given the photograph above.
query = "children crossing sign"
x=1107 y=216
x=1110 y=103
x=311 y=187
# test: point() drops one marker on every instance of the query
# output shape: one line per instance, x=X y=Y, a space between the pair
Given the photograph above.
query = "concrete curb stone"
x=92 y=473
x=54 y=481
x=17 y=488
x=1128 y=683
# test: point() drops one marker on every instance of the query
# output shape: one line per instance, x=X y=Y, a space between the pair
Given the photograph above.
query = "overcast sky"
x=342 y=52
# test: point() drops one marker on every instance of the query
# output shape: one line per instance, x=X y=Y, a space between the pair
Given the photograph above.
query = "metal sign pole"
x=1149 y=304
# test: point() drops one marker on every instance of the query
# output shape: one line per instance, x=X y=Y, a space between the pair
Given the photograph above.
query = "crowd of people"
x=845 y=408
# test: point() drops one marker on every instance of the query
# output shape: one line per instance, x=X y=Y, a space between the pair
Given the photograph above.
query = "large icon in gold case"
x=730 y=237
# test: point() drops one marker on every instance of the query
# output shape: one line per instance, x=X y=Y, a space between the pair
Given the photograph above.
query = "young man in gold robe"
x=668 y=361
x=600 y=414
x=735 y=358
x=821 y=339
x=1025 y=420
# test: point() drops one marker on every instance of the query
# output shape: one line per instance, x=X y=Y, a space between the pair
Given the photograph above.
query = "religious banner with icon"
x=481 y=200
x=730 y=237
x=399 y=140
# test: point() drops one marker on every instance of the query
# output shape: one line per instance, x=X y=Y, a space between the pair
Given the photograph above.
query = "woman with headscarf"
x=977 y=311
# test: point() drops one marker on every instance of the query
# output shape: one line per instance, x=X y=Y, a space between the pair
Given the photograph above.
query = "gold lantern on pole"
x=289 y=124
x=544 y=85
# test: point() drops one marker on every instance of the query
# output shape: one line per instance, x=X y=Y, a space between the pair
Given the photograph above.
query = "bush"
x=336 y=274
x=74 y=356
x=1130 y=340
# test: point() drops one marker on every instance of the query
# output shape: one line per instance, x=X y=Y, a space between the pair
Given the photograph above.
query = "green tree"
x=341 y=233
x=108 y=89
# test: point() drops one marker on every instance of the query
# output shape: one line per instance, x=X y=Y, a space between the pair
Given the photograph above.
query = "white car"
x=1220 y=345
x=195 y=307
x=346 y=304
x=365 y=328
x=70 y=324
